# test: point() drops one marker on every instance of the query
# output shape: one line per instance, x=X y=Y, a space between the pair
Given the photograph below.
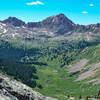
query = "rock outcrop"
x=11 y=89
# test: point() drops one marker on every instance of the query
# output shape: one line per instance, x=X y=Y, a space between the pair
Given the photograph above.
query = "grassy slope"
x=57 y=83
x=55 y=79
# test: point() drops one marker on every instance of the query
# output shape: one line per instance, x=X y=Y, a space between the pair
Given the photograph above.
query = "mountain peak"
x=59 y=23
x=14 y=21
x=58 y=19
x=61 y=15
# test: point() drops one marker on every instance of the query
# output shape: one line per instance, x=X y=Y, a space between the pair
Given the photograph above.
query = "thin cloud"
x=91 y=5
x=35 y=3
x=85 y=12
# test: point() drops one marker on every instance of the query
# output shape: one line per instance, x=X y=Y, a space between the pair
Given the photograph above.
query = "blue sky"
x=79 y=11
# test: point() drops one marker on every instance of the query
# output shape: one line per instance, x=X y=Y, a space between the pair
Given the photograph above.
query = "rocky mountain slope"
x=11 y=89
x=53 y=26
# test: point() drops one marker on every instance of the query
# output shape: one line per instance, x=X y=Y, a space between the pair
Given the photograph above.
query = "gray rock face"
x=5 y=95
x=53 y=26
x=60 y=23
x=56 y=24
x=14 y=90
x=14 y=21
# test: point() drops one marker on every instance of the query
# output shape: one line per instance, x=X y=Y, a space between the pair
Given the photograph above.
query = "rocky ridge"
x=53 y=26
x=11 y=89
x=56 y=24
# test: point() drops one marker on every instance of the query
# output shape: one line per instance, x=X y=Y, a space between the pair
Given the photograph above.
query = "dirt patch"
x=85 y=75
x=94 y=67
x=91 y=72
x=94 y=81
x=79 y=66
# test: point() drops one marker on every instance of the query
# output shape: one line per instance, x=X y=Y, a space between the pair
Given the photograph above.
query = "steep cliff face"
x=13 y=90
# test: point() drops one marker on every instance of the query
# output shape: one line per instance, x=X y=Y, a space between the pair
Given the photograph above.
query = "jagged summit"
x=14 y=21
x=58 y=24
x=60 y=18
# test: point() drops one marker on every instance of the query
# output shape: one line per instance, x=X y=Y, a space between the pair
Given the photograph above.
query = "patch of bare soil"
x=86 y=75
x=94 y=81
x=91 y=72
x=79 y=66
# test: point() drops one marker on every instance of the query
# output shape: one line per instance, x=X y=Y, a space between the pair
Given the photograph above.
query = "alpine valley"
x=56 y=57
